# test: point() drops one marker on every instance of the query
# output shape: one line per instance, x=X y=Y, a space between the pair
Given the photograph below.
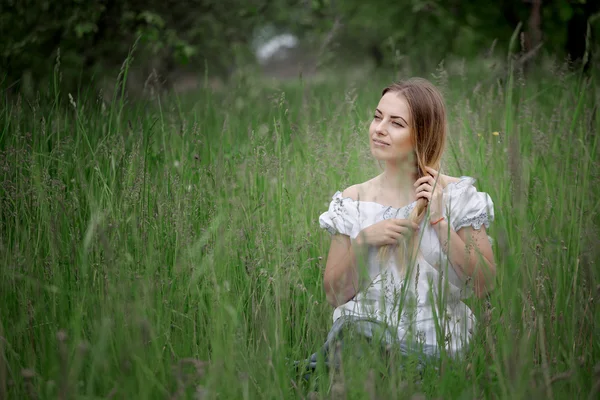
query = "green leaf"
x=185 y=52
x=565 y=11
x=152 y=18
x=83 y=28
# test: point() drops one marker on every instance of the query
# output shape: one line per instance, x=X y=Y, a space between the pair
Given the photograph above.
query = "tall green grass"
x=170 y=248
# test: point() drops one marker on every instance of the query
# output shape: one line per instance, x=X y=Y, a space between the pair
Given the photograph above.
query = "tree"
x=95 y=35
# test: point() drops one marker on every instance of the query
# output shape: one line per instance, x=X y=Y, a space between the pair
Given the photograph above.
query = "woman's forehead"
x=394 y=104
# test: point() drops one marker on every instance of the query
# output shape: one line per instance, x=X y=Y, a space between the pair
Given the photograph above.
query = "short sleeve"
x=465 y=206
x=341 y=217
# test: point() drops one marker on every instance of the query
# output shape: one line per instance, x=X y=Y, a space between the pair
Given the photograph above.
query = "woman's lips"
x=380 y=143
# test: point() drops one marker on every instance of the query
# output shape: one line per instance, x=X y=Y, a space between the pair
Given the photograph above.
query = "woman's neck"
x=398 y=177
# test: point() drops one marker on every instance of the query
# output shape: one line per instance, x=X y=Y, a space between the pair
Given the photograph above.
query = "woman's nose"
x=380 y=128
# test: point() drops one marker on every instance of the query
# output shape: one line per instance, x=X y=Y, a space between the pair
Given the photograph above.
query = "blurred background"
x=182 y=43
x=156 y=244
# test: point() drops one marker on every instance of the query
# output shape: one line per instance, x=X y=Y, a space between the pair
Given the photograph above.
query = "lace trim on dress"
x=391 y=212
x=337 y=204
x=475 y=221
x=338 y=196
x=338 y=211
x=329 y=228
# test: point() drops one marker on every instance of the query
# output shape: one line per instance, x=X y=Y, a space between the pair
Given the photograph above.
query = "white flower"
x=72 y=101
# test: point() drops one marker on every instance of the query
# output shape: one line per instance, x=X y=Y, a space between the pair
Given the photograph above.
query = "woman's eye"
x=376 y=117
x=397 y=124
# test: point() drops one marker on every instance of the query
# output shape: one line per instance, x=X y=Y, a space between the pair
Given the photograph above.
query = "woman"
x=410 y=244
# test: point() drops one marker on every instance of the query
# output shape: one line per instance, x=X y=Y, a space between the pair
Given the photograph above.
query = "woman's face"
x=389 y=132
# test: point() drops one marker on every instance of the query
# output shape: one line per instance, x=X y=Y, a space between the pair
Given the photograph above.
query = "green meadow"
x=169 y=247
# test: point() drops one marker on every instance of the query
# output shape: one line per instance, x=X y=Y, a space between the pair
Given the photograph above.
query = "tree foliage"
x=98 y=33
x=432 y=29
x=95 y=34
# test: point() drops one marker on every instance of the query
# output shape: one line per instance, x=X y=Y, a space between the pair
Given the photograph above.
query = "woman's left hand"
x=431 y=187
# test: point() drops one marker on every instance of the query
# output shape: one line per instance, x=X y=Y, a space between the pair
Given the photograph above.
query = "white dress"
x=418 y=294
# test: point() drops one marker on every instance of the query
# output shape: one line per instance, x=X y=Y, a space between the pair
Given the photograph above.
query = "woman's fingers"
x=424 y=179
x=395 y=237
x=425 y=195
x=399 y=231
x=404 y=223
x=426 y=186
x=432 y=171
x=435 y=175
x=392 y=237
x=395 y=229
x=395 y=240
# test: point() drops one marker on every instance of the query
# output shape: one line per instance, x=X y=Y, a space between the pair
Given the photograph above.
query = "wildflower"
x=72 y=101
x=176 y=164
x=496 y=133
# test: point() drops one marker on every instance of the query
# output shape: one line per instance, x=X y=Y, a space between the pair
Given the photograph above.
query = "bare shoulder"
x=447 y=179
x=360 y=191
x=353 y=191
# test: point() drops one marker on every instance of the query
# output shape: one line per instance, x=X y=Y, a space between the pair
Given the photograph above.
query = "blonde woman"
x=409 y=245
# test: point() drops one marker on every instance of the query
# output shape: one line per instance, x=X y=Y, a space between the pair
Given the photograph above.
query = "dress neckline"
x=339 y=193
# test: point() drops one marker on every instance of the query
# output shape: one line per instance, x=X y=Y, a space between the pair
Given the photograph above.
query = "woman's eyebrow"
x=397 y=116
x=393 y=116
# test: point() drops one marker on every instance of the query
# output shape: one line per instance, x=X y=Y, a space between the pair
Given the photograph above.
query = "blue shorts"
x=377 y=334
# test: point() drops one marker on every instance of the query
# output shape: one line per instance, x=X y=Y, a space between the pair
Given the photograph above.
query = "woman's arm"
x=341 y=278
x=468 y=250
x=470 y=253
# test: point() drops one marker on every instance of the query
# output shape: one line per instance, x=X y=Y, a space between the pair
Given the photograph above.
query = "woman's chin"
x=380 y=155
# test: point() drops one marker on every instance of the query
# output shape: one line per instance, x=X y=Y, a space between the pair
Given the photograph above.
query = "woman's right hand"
x=387 y=232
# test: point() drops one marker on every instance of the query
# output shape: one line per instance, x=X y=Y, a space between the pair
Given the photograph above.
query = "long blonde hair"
x=428 y=135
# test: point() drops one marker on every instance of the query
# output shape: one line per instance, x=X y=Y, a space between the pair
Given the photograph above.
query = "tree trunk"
x=533 y=36
x=577 y=31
